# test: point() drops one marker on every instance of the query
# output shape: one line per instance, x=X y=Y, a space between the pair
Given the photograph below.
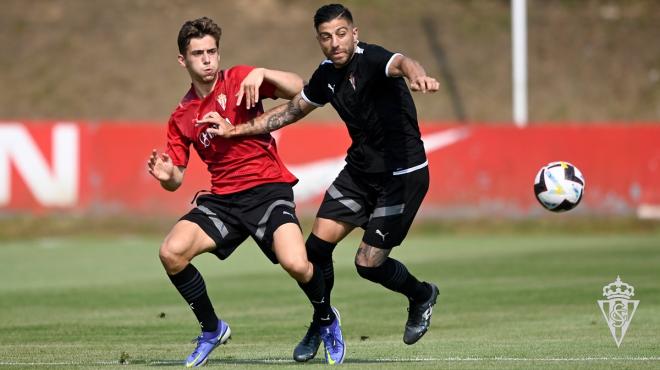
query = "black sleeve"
x=314 y=91
x=377 y=58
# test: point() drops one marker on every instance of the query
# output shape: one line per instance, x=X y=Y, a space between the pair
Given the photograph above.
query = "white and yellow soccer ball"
x=559 y=186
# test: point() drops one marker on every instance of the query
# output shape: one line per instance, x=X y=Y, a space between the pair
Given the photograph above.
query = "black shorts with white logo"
x=229 y=219
x=384 y=205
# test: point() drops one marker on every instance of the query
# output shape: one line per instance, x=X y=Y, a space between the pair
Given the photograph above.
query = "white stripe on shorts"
x=411 y=169
x=216 y=221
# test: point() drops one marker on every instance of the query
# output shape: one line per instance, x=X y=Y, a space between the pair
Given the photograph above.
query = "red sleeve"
x=266 y=90
x=178 y=145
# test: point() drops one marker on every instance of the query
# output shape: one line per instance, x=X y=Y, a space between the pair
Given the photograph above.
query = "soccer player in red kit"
x=251 y=193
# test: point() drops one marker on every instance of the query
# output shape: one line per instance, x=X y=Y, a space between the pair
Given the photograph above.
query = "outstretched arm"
x=414 y=72
x=287 y=85
x=271 y=120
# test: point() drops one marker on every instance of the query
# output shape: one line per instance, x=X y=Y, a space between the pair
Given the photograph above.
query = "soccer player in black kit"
x=386 y=176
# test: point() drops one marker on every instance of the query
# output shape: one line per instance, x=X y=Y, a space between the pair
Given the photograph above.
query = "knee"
x=318 y=250
x=300 y=269
x=173 y=261
x=366 y=260
x=367 y=272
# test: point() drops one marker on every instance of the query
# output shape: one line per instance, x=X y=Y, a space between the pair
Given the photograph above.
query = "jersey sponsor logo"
x=205 y=138
x=288 y=213
x=332 y=88
x=380 y=233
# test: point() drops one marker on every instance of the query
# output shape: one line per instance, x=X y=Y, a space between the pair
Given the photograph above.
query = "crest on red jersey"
x=222 y=100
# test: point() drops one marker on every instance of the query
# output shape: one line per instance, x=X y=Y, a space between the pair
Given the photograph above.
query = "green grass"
x=507 y=301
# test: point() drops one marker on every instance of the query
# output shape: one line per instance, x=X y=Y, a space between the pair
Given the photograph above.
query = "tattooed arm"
x=271 y=120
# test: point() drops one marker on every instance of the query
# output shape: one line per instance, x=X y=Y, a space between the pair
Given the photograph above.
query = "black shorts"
x=384 y=205
x=229 y=219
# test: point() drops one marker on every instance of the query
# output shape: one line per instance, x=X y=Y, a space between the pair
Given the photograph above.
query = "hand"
x=424 y=84
x=160 y=166
x=250 y=88
x=216 y=124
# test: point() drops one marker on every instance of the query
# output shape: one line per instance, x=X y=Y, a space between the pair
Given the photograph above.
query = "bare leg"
x=289 y=247
x=185 y=241
x=330 y=230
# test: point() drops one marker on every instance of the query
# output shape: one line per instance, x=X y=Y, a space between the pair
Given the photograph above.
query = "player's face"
x=337 y=39
x=201 y=59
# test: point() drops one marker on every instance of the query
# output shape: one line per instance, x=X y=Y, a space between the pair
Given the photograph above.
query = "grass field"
x=507 y=301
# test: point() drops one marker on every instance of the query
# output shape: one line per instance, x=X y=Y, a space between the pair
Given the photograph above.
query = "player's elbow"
x=290 y=91
x=170 y=185
x=175 y=181
x=297 y=86
x=293 y=85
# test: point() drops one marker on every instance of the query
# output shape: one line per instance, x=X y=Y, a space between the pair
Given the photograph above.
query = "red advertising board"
x=476 y=170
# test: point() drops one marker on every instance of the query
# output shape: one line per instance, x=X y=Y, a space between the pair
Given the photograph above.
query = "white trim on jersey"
x=326 y=61
x=387 y=67
x=411 y=169
x=302 y=94
x=358 y=50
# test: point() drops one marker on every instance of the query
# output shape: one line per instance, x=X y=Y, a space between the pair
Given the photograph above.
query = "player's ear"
x=182 y=60
x=355 y=34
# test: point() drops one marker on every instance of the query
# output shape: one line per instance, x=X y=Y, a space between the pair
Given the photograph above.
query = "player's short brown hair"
x=196 y=29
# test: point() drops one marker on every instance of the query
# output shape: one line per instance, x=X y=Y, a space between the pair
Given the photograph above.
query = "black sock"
x=393 y=275
x=315 y=289
x=190 y=284
x=319 y=253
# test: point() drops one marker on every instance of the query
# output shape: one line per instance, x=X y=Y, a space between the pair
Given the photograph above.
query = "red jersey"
x=235 y=164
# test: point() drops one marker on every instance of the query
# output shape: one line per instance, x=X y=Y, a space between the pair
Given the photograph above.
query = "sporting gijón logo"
x=206 y=137
x=618 y=309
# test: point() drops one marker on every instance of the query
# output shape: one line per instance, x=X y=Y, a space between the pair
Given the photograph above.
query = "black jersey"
x=378 y=110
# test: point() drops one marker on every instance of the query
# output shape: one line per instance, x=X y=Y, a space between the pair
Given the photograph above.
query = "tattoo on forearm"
x=276 y=119
x=295 y=110
x=280 y=119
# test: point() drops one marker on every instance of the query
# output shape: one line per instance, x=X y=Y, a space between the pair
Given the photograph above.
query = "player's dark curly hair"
x=196 y=29
x=326 y=13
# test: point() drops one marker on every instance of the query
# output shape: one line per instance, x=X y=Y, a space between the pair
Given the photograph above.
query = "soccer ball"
x=559 y=186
